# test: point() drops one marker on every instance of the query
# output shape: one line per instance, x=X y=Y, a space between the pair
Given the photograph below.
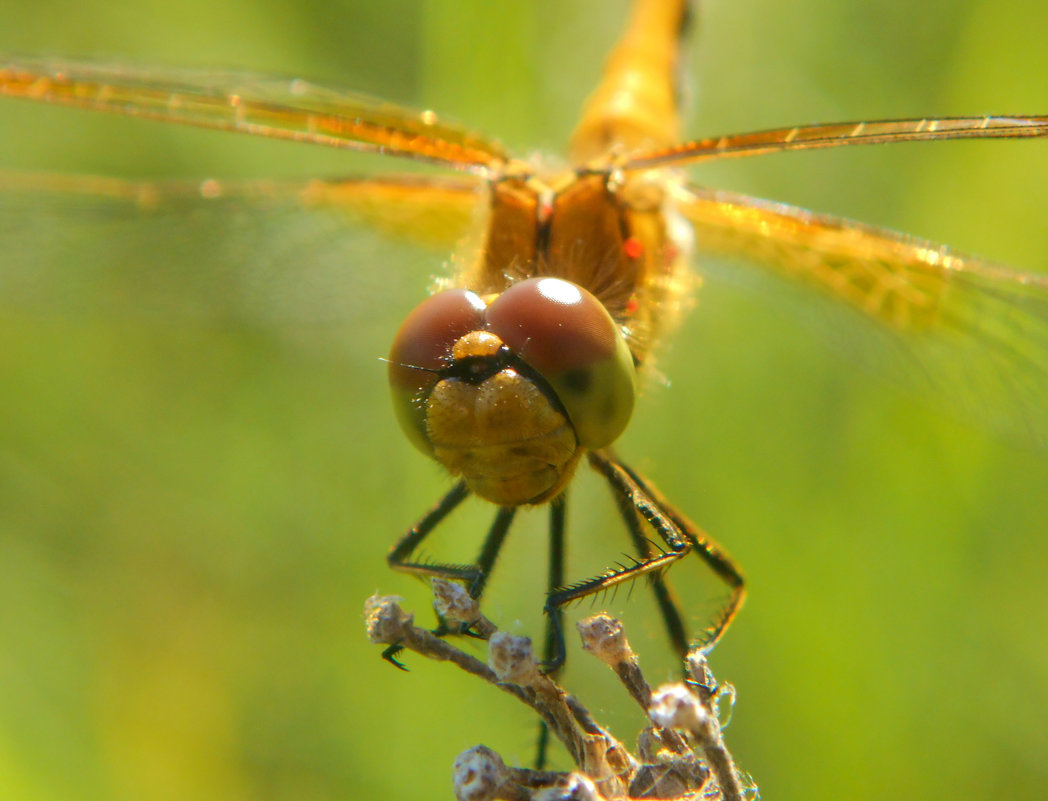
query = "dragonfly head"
x=508 y=392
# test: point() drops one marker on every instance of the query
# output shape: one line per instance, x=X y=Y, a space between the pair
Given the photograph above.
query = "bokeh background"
x=193 y=509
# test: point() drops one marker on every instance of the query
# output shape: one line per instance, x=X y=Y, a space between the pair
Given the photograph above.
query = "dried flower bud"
x=478 y=774
x=453 y=603
x=673 y=706
x=602 y=635
x=385 y=619
x=512 y=659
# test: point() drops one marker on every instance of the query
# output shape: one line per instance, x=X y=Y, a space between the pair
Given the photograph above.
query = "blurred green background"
x=192 y=513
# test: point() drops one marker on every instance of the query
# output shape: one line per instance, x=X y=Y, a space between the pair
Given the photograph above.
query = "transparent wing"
x=289 y=256
x=842 y=134
x=974 y=332
x=275 y=107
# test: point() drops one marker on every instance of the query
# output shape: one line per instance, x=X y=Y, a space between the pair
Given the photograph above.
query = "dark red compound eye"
x=427 y=335
x=422 y=347
x=553 y=325
x=568 y=337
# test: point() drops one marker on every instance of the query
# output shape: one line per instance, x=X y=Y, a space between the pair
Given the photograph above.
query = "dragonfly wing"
x=288 y=255
x=842 y=134
x=262 y=105
x=974 y=332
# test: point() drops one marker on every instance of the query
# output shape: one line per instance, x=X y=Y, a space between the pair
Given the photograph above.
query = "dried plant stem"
x=666 y=766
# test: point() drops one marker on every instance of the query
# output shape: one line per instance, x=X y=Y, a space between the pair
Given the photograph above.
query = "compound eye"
x=421 y=348
x=568 y=337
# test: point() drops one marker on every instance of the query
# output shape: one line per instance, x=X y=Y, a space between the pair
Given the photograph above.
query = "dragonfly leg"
x=669 y=607
x=554 y=620
x=710 y=551
x=474 y=575
x=399 y=557
x=490 y=550
x=627 y=485
x=639 y=500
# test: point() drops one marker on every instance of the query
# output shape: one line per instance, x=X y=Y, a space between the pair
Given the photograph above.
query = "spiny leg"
x=490 y=550
x=474 y=575
x=676 y=546
x=400 y=554
x=557 y=517
x=680 y=536
x=709 y=550
x=664 y=596
x=399 y=557
x=483 y=566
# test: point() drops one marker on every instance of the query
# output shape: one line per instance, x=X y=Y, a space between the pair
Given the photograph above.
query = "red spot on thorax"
x=633 y=248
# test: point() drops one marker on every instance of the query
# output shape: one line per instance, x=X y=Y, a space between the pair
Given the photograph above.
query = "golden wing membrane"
x=276 y=107
x=842 y=134
x=976 y=332
x=428 y=210
x=281 y=254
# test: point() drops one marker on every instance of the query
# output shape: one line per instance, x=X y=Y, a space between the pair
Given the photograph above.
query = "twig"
x=665 y=768
x=675 y=705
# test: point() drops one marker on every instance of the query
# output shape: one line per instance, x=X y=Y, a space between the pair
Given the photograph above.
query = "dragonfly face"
x=712 y=456
x=507 y=395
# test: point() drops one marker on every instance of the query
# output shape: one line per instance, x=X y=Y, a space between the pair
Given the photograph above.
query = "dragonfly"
x=526 y=362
